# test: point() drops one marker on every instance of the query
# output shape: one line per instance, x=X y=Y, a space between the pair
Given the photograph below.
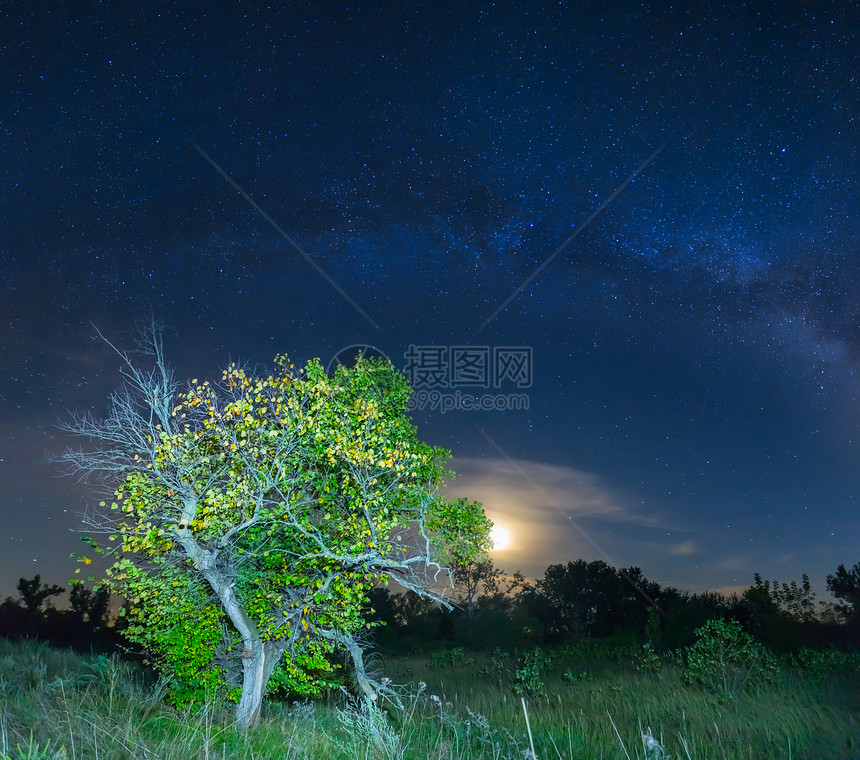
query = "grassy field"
x=581 y=704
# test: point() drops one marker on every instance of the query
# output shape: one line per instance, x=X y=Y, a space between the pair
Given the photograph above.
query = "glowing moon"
x=500 y=537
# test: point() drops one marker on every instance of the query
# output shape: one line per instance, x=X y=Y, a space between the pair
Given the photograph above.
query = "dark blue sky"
x=694 y=348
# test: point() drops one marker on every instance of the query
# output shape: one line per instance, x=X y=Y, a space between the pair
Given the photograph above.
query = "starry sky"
x=652 y=207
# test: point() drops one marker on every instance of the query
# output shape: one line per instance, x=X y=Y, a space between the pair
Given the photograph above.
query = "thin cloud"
x=547 y=513
x=574 y=493
x=685 y=549
x=736 y=562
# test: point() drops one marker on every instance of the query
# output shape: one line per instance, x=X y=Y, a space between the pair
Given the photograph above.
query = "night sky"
x=687 y=180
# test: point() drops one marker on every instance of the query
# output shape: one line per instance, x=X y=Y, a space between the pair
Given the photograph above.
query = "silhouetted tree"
x=14 y=621
x=683 y=613
x=783 y=616
x=472 y=579
x=592 y=599
x=640 y=602
x=34 y=593
x=845 y=586
x=90 y=607
x=84 y=626
x=488 y=611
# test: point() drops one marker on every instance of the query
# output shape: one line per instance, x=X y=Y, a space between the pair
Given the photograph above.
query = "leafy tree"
x=796 y=602
x=254 y=515
x=591 y=599
x=34 y=593
x=481 y=583
x=845 y=586
x=90 y=606
x=781 y=615
x=758 y=608
x=685 y=613
x=488 y=611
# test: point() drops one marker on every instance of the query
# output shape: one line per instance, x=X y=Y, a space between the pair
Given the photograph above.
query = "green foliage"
x=498 y=664
x=255 y=518
x=306 y=673
x=179 y=629
x=443 y=658
x=572 y=676
x=584 y=649
x=647 y=660
x=823 y=664
x=32 y=751
x=845 y=586
x=528 y=679
x=86 y=707
x=725 y=659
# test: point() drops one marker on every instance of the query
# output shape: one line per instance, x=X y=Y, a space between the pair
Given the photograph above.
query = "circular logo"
x=346 y=356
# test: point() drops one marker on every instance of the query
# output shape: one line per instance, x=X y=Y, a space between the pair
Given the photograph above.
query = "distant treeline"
x=572 y=601
x=583 y=599
x=85 y=626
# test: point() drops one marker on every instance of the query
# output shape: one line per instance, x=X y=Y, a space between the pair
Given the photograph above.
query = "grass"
x=792 y=716
x=56 y=705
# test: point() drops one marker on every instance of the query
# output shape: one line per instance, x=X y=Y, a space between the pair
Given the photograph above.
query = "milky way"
x=695 y=345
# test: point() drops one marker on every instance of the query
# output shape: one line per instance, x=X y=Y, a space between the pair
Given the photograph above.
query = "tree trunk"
x=365 y=685
x=258 y=663
x=259 y=658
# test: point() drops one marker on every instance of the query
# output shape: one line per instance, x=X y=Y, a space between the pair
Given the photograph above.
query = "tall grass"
x=55 y=705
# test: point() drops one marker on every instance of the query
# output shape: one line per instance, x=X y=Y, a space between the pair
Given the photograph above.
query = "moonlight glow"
x=500 y=537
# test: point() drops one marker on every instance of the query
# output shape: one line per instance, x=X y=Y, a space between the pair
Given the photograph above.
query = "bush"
x=455 y=657
x=529 y=676
x=646 y=660
x=822 y=664
x=724 y=659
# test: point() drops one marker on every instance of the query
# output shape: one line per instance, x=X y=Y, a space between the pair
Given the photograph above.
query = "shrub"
x=573 y=677
x=724 y=659
x=455 y=657
x=822 y=664
x=529 y=675
x=647 y=660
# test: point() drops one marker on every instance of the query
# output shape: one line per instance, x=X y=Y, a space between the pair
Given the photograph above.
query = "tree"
x=28 y=614
x=780 y=615
x=473 y=578
x=486 y=600
x=92 y=607
x=34 y=593
x=845 y=586
x=592 y=599
x=685 y=613
x=252 y=517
